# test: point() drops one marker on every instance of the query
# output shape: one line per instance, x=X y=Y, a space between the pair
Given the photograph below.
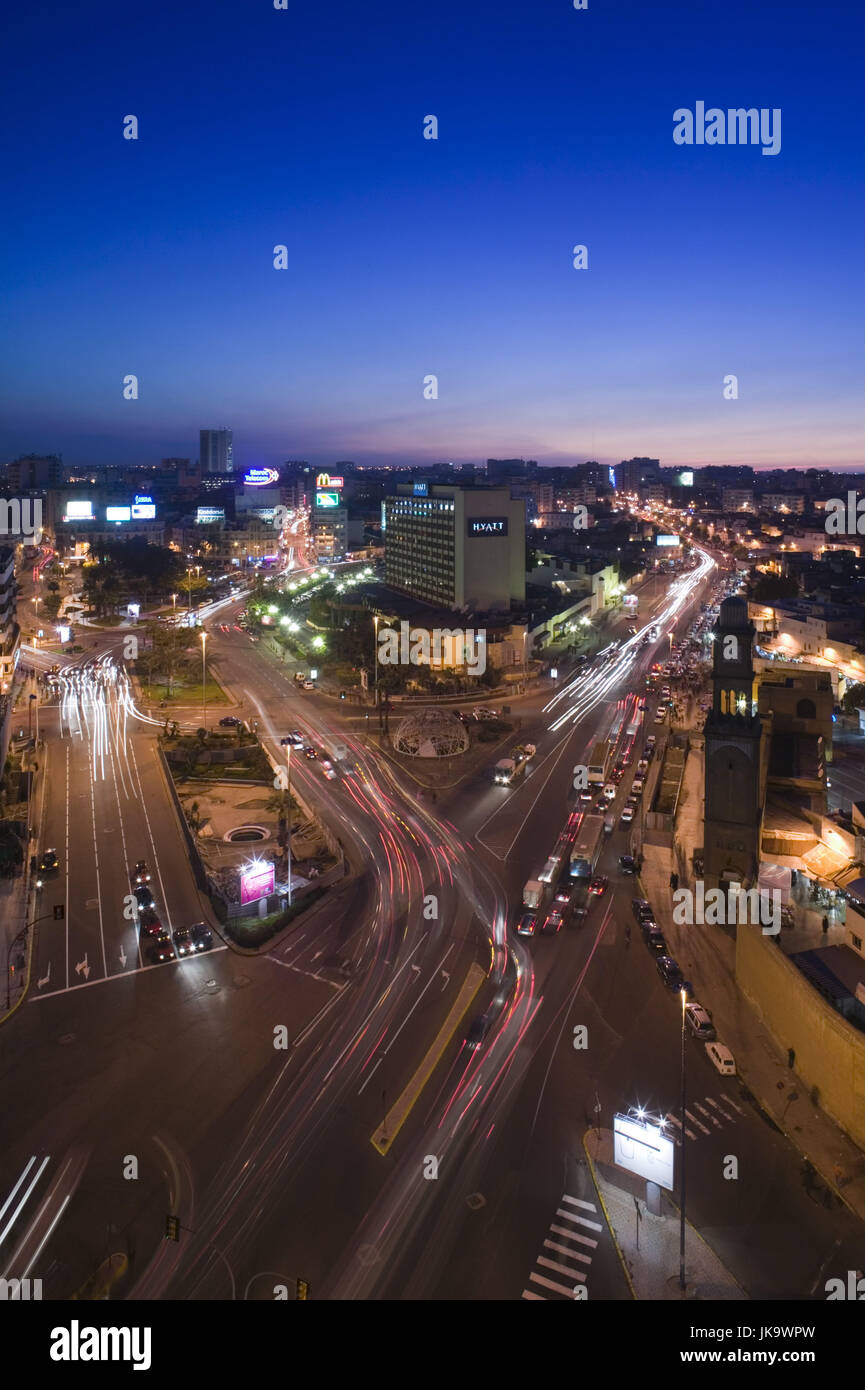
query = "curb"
x=610 y=1226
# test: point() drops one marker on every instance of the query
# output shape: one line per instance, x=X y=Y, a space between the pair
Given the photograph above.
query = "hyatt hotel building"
x=456 y=547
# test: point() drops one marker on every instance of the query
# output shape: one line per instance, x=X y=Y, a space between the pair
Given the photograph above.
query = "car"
x=669 y=972
x=642 y=909
x=661 y=717
x=150 y=923
x=309 y=751
x=141 y=873
x=161 y=950
x=648 y=925
x=601 y=805
x=627 y=814
x=700 y=1022
x=49 y=863
x=585 y=796
x=183 y=943
x=563 y=898
x=143 y=896
x=642 y=767
x=229 y=721
x=477 y=1031
x=637 y=786
x=721 y=1058
x=642 y=705
x=610 y=791
x=552 y=922
x=650 y=745
x=309 y=685
x=598 y=885
x=626 y=760
x=327 y=768
x=656 y=943
x=527 y=923
x=627 y=864
x=617 y=774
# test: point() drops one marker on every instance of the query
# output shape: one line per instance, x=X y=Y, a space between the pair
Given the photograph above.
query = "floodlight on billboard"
x=642 y=1146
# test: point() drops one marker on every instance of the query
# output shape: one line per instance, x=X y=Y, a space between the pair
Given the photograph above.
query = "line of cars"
x=697 y=1019
x=164 y=945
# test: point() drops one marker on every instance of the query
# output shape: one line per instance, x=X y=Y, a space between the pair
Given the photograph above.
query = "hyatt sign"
x=487 y=525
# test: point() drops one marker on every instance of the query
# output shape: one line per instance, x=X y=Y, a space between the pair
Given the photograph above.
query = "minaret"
x=733 y=813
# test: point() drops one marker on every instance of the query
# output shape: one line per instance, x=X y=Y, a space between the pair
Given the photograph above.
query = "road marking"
x=695 y=1121
x=574 y=1235
x=576 y=1202
x=560 y=1269
x=580 y=1220
x=116 y=979
x=384 y=1134
x=558 y=1288
x=571 y=1254
x=538 y=1297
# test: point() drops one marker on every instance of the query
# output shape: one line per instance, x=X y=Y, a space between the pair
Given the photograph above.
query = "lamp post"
x=288 y=840
x=375 y=623
x=682 y=1160
x=204 y=679
x=174 y=607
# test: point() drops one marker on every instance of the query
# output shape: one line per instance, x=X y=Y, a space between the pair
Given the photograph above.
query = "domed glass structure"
x=431 y=733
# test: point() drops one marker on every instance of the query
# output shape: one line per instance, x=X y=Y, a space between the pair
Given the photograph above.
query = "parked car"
x=656 y=943
x=627 y=864
x=642 y=767
x=49 y=863
x=230 y=721
x=309 y=685
x=700 y=1022
x=642 y=909
x=637 y=786
x=669 y=972
x=721 y=1058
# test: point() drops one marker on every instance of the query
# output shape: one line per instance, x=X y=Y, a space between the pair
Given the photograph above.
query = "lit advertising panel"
x=327 y=480
x=143 y=511
x=327 y=499
x=256 y=881
x=643 y=1148
x=487 y=525
x=208 y=514
x=118 y=513
x=78 y=511
x=667 y=540
x=261 y=477
x=685 y=479
x=63 y=633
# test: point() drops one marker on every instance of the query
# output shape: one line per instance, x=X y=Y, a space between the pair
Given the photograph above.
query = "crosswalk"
x=567 y=1251
x=706 y=1116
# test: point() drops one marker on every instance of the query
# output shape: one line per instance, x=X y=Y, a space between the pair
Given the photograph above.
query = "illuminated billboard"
x=667 y=540
x=261 y=477
x=685 y=479
x=208 y=514
x=421 y=489
x=611 y=473
x=327 y=499
x=642 y=1147
x=143 y=511
x=78 y=511
x=487 y=525
x=325 y=480
x=118 y=513
x=63 y=633
x=256 y=881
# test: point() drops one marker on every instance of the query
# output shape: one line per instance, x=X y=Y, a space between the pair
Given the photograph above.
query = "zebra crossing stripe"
x=580 y=1220
x=538 y=1297
x=560 y=1269
x=557 y=1288
x=695 y=1121
x=571 y=1254
x=575 y=1202
x=573 y=1235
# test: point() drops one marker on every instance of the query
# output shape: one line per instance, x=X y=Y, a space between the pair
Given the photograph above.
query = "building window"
x=806 y=709
x=857 y=942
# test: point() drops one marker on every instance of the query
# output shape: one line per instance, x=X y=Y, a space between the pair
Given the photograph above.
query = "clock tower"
x=734 y=780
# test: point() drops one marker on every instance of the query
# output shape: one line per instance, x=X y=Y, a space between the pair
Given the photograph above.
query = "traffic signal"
x=172 y=1228
x=59 y=912
x=302 y=1289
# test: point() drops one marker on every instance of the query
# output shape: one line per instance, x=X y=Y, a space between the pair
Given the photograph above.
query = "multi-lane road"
x=376 y=1155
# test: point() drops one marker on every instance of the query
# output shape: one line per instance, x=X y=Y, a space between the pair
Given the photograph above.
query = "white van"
x=721 y=1058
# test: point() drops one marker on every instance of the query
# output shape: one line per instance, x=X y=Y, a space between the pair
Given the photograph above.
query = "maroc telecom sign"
x=261 y=477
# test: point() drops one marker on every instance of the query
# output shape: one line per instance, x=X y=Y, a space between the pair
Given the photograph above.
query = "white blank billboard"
x=642 y=1148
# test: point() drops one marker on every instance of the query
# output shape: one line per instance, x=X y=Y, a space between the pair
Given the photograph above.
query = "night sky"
x=407 y=256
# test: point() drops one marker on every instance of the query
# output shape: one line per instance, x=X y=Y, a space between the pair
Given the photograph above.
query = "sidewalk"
x=648 y=1241
x=707 y=956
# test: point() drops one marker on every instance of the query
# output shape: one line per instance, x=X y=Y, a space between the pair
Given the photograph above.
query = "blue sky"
x=453 y=257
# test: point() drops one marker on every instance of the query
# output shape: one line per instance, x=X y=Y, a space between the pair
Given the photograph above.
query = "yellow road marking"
x=399 y=1112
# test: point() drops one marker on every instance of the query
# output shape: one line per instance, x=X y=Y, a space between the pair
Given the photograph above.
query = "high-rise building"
x=35 y=473
x=631 y=474
x=457 y=547
x=217 y=451
x=10 y=636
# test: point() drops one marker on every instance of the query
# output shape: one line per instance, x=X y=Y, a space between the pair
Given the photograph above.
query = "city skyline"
x=452 y=257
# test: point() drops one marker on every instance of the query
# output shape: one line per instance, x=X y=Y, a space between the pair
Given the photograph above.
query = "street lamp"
x=204 y=679
x=288 y=840
x=375 y=623
x=684 y=994
x=174 y=607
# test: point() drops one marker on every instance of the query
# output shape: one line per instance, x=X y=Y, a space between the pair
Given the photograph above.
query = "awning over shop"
x=775 y=878
x=823 y=862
